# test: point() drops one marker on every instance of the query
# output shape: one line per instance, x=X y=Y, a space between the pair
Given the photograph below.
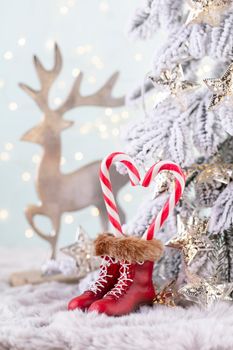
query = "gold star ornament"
x=191 y=238
x=82 y=252
x=221 y=87
x=220 y=172
x=166 y=295
x=206 y=293
x=173 y=79
x=207 y=11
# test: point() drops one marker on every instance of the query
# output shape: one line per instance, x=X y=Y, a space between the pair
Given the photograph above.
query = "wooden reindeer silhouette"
x=59 y=192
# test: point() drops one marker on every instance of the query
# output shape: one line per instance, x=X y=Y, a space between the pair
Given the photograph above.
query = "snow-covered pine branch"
x=225 y=119
x=195 y=42
x=220 y=41
x=187 y=43
x=222 y=211
x=153 y=15
x=207 y=129
x=207 y=193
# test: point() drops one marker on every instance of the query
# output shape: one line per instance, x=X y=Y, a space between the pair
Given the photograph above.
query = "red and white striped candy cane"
x=107 y=187
x=170 y=204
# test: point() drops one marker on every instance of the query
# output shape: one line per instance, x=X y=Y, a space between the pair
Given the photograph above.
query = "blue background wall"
x=92 y=38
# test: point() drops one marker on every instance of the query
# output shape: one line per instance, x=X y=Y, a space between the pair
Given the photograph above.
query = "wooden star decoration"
x=205 y=293
x=173 y=79
x=221 y=87
x=82 y=252
x=207 y=11
x=191 y=238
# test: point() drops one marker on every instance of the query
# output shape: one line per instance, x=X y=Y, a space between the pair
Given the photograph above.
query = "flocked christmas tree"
x=193 y=126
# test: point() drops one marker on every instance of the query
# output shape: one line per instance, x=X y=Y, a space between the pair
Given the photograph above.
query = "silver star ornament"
x=82 y=251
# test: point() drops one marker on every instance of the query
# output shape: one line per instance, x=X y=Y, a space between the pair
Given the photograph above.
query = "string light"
x=57 y=101
x=4 y=214
x=26 y=176
x=84 y=129
x=36 y=158
x=138 y=57
x=53 y=233
x=2 y=83
x=4 y=156
x=29 y=233
x=69 y=219
x=124 y=114
x=92 y=79
x=78 y=156
x=75 y=72
x=9 y=146
x=88 y=48
x=22 y=41
x=108 y=111
x=80 y=50
x=128 y=197
x=64 y=10
x=49 y=44
x=8 y=55
x=95 y=211
x=115 y=118
x=206 y=68
x=102 y=127
x=12 y=106
x=71 y=3
x=97 y=62
x=63 y=161
x=104 y=6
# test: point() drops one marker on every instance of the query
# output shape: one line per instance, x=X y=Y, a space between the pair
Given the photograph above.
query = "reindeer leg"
x=56 y=221
x=30 y=212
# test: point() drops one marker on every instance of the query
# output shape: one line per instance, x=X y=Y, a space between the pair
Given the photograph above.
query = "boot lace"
x=98 y=285
x=122 y=281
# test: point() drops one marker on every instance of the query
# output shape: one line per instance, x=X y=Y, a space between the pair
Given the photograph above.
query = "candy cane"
x=110 y=203
x=170 y=204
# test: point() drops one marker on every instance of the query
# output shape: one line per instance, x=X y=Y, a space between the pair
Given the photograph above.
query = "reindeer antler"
x=46 y=77
x=102 y=97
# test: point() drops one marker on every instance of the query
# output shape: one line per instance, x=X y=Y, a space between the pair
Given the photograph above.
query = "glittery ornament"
x=220 y=172
x=173 y=79
x=221 y=87
x=191 y=238
x=205 y=293
x=82 y=252
x=207 y=11
x=166 y=296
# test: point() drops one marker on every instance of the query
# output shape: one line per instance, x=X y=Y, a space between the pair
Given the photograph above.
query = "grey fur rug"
x=35 y=318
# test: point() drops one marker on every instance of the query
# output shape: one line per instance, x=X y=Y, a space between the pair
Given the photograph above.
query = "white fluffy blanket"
x=35 y=317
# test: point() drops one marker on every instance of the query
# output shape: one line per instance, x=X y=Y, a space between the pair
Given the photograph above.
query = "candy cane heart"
x=105 y=182
x=170 y=204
